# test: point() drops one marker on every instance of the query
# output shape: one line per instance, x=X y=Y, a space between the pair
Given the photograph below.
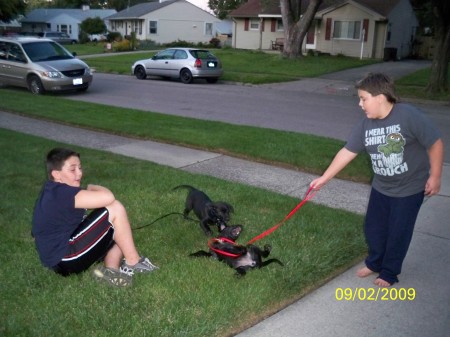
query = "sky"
x=201 y=3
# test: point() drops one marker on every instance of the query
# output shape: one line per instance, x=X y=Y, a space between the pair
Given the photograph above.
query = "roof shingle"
x=140 y=10
x=254 y=8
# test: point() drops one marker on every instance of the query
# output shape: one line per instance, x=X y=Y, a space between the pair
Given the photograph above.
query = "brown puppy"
x=208 y=212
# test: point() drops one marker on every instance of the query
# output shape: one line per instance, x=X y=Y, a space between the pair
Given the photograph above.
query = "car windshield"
x=202 y=54
x=46 y=51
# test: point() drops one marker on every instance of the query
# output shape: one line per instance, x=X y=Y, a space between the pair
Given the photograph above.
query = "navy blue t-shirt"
x=55 y=218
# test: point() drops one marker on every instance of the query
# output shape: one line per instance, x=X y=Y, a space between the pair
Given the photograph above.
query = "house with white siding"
x=165 y=21
x=357 y=28
x=61 y=19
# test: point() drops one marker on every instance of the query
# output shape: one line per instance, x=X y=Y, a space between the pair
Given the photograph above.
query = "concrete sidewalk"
x=426 y=269
x=353 y=196
x=426 y=272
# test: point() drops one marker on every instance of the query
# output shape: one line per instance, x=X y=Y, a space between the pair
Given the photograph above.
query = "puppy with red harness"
x=239 y=257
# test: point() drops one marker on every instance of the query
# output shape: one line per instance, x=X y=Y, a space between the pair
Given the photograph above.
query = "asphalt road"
x=323 y=106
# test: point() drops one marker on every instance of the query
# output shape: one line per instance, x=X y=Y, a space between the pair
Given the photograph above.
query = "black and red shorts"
x=93 y=238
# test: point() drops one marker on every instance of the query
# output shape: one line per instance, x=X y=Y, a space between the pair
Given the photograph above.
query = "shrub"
x=83 y=37
x=113 y=36
x=123 y=45
x=214 y=42
x=133 y=41
x=148 y=45
x=179 y=43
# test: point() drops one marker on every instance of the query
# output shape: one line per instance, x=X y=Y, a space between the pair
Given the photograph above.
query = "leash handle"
x=308 y=195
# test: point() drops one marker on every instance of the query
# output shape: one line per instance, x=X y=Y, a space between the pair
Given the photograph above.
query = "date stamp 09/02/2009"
x=375 y=294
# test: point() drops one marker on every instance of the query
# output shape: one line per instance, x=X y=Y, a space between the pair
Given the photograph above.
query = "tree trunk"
x=295 y=25
x=438 y=81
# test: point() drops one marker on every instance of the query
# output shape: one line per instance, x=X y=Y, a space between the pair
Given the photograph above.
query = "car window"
x=3 y=50
x=46 y=51
x=15 y=54
x=165 y=54
x=202 y=54
x=180 y=55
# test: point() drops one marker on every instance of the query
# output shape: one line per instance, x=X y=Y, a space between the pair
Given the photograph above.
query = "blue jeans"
x=388 y=228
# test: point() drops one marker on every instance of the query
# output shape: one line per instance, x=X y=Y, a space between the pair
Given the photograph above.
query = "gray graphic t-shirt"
x=397 y=146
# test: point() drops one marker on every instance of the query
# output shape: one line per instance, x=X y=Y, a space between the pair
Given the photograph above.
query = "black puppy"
x=240 y=258
x=208 y=212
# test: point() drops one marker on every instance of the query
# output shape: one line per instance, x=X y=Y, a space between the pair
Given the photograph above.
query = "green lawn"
x=304 y=152
x=253 y=67
x=186 y=296
x=258 y=67
x=414 y=85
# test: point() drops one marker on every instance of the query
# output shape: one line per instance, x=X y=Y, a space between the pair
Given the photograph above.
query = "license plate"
x=77 y=81
x=211 y=64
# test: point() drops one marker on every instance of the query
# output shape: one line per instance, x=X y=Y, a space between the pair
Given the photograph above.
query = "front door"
x=311 y=37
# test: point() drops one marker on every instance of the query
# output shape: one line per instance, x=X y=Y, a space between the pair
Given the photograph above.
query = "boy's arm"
x=436 y=156
x=94 y=196
x=342 y=158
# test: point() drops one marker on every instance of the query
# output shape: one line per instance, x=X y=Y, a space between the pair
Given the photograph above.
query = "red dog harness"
x=308 y=196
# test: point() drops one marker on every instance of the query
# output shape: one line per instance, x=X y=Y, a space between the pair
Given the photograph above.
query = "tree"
x=10 y=9
x=119 y=5
x=435 y=14
x=93 y=26
x=296 y=24
x=221 y=8
x=439 y=68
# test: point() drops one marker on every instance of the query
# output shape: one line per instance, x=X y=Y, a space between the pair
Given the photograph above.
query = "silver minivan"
x=41 y=65
x=59 y=37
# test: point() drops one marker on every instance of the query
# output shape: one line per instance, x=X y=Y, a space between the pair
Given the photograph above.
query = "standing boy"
x=407 y=153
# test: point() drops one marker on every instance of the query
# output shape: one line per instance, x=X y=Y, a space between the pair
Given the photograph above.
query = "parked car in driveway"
x=183 y=63
x=97 y=37
x=41 y=65
x=59 y=37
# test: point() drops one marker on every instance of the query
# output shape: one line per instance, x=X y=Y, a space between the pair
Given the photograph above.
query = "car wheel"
x=35 y=85
x=186 y=76
x=212 y=79
x=139 y=72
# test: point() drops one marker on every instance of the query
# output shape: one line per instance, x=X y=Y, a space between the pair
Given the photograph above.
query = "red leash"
x=219 y=251
x=308 y=196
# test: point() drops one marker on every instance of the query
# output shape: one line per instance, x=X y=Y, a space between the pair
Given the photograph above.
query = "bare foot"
x=364 y=272
x=382 y=283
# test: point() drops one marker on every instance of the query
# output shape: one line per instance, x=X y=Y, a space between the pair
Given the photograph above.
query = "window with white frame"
x=137 y=27
x=280 y=24
x=153 y=27
x=208 y=28
x=254 y=24
x=347 y=30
